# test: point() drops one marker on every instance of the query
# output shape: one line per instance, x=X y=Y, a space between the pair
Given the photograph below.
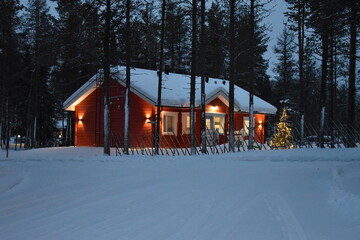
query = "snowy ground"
x=76 y=193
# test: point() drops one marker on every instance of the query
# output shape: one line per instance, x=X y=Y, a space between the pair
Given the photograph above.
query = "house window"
x=215 y=122
x=247 y=125
x=168 y=123
x=219 y=124
x=185 y=119
x=187 y=123
x=170 y=120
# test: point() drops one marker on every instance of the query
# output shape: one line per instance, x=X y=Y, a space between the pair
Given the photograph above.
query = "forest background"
x=47 y=53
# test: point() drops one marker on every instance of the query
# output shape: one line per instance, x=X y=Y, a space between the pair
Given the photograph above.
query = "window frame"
x=245 y=127
x=175 y=120
x=184 y=117
x=213 y=116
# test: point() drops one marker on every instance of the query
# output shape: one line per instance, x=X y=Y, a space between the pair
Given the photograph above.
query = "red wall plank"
x=89 y=131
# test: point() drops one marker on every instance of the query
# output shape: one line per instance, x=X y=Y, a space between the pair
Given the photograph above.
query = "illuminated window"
x=185 y=119
x=247 y=125
x=215 y=122
x=169 y=125
x=219 y=124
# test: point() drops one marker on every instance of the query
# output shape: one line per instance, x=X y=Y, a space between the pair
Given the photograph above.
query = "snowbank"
x=76 y=193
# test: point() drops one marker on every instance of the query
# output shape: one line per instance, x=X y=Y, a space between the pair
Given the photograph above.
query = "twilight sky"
x=276 y=19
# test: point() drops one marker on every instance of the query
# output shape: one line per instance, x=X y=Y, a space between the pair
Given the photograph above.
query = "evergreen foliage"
x=176 y=37
x=285 y=93
x=251 y=45
x=13 y=86
x=216 y=41
x=39 y=35
x=45 y=58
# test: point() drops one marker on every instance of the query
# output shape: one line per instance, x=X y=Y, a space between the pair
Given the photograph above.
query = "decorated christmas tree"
x=283 y=136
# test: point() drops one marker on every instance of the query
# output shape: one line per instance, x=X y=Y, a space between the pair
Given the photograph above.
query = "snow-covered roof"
x=175 y=90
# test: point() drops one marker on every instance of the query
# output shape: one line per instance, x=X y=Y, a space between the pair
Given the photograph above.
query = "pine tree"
x=283 y=136
x=176 y=37
x=160 y=72
x=12 y=94
x=106 y=84
x=202 y=74
x=193 y=75
x=326 y=17
x=128 y=65
x=216 y=41
x=311 y=83
x=251 y=45
x=149 y=28
x=354 y=15
x=39 y=34
x=110 y=24
x=78 y=49
x=231 y=73
x=78 y=44
x=285 y=70
x=297 y=14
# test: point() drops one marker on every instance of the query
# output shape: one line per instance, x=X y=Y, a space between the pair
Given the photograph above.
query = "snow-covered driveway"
x=76 y=193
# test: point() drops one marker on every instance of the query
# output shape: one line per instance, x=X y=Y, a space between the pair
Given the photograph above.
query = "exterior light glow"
x=148 y=118
x=214 y=108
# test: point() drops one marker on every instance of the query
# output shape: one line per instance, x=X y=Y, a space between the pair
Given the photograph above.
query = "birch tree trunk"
x=193 y=78
x=107 y=79
x=252 y=76
x=127 y=91
x=158 y=111
x=202 y=64
x=324 y=63
x=231 y=74
x=301 y=38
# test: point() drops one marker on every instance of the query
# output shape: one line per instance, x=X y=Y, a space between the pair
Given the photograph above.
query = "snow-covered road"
x=76 y=193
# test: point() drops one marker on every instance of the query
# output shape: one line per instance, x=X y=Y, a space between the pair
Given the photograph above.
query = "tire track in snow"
x=9 y=180
x=11 y=186
x=343 y=201
x=289 y=223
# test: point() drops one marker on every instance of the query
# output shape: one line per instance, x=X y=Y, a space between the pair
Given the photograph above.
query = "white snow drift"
x=76 y=193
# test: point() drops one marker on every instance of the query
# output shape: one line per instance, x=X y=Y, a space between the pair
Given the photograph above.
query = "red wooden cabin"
x=87 y=102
